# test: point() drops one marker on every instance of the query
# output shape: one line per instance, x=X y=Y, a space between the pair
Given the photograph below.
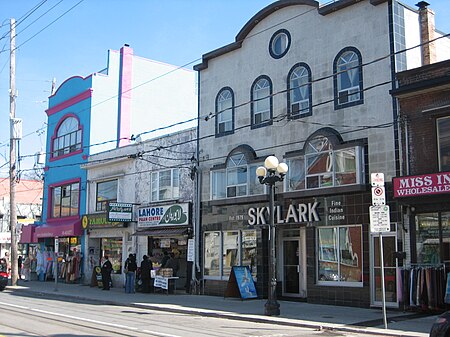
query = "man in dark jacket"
x=146 y=267
x=106 y=273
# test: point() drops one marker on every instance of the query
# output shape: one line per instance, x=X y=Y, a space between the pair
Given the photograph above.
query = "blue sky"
x=178 y=32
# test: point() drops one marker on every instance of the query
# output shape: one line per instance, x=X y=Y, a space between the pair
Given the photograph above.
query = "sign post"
x=380 y=223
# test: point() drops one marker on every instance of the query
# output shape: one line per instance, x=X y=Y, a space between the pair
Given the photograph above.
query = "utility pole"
x=12 y=155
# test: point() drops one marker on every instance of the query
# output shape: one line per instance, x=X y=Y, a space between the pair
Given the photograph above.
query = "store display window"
x=112 y=247
x=340 y=255
x=430 y=228
x=226 y=249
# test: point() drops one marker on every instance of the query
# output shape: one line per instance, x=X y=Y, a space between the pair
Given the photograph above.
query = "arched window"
x=348 y=81
x=225 y=112
x=68 y=137
x=261 y=96
x=299 y=91
x=325 y=162
x=237 y=177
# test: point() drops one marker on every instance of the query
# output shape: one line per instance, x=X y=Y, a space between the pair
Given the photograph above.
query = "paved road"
x=31 y=316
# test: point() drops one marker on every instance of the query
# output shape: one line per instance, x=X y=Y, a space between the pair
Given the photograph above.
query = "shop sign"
x=5 y=237
x=426 y=184
x=98 y=220
x=169 y=215
x=335 y=211
x=120 y=212
x=301 y=213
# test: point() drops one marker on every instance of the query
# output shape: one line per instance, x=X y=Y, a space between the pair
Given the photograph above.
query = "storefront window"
x=427 y=233
x=445 y=223
x=230 y=251
x=235 y=247
x=340 y=253
x=212 y=254
x=249 y=250
x=112 y=247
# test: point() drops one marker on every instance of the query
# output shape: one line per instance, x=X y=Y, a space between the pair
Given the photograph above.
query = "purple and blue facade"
x=75 y=114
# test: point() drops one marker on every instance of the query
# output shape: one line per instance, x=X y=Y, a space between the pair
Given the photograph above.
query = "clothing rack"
x=422 y=286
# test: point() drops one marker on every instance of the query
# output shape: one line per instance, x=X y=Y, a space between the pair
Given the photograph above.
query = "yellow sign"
x=84 y=221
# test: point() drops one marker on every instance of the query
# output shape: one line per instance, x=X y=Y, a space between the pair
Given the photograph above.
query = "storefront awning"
x=27 y=234
x=61 y=229
x=162 y=231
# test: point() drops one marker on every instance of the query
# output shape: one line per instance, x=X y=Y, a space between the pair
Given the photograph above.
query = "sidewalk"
x=368 y=321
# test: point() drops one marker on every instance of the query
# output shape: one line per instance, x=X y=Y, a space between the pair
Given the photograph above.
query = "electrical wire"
x=283 y=91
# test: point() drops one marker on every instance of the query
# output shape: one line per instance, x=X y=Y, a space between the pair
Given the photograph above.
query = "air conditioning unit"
x=301 y=107
x=349 y=95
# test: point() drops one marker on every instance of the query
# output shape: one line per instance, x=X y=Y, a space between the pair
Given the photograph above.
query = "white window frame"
x=348 y=59
x=356 y=284
x=68 y=137
x=224 y=111
x=299 y=74
x=327 y=179
x=261 y=93
x=215 y=194
x=155 y=188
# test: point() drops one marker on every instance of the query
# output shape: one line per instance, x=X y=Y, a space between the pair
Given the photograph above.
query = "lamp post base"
x=272 y=308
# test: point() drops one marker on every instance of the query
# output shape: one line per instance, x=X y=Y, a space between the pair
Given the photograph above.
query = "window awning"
x=162 y=231
x=27 y=234
x=62 y=228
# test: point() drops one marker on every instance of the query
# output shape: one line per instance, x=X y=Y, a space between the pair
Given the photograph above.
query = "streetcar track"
x=42 y=315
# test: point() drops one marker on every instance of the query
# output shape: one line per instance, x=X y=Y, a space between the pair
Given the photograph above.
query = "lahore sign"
x=426 y=184
x=166 y=215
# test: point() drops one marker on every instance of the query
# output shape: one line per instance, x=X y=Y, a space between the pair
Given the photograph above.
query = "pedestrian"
x=26 y=268
x=106 y=273
x=172 y=262
x=20 y=266
x=146 y=267
x=130 y=273
x=8 y=262
x=165 y=258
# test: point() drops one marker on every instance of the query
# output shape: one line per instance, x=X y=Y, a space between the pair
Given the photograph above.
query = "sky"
x=65 y=38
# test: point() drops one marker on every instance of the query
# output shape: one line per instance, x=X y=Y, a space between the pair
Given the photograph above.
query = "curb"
x=319 y=326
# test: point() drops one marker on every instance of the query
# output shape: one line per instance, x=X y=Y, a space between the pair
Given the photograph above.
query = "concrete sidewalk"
x=368 y=321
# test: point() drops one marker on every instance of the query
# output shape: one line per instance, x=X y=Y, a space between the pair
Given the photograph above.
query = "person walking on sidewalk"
x=106 y=273
x=130 y=273
x=146 y=267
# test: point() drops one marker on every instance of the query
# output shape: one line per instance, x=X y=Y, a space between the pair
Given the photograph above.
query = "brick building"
x=423 y=190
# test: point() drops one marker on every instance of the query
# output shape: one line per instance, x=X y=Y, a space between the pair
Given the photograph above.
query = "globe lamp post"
x=273 y=171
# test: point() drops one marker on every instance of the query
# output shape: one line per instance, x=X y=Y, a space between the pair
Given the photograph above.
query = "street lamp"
x=272 y=172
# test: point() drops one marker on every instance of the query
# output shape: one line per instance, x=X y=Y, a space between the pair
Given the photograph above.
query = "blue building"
x=91 y=115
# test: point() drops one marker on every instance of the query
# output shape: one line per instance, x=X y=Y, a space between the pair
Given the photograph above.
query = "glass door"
x=390 y=270
x=292 y=268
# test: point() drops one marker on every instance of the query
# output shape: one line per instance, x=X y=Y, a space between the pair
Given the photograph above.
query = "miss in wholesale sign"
x=167 y=215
